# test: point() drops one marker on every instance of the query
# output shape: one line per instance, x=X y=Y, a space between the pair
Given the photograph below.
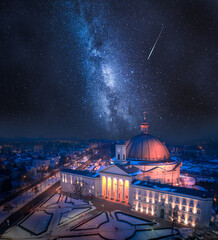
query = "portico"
x=115 y=189
x=115 y=183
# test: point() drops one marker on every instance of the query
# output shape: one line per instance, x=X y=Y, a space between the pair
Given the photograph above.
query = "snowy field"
x=58 y=217
x=75 y=201
x=72 y=213
x=131 y=219
x=37 y=223
x=152 y=234
x=52 y=200
x=94 y=222
x=118 y=225
x=48 y=218
x=23 y=199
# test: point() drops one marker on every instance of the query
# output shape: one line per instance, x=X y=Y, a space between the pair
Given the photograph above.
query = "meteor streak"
x=155 y=43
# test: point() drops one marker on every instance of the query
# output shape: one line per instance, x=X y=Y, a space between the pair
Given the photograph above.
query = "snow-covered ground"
x=188 y=181
x=53 y=200
x=51 y=217
x=23 y=199
x=76 y=201
x=152 y=234
x=130 y=219
x=37 y=222
x=94 y=223
x=59 y=219
x=108 y=226
x=72 y=213
x=204 y=179
x=200 y=167
x=185 y=232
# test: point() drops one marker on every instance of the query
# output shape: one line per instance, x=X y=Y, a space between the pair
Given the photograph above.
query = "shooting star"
x=155 y=43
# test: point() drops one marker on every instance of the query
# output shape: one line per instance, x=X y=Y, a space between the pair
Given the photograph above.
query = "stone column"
x=117 y=189
x=112 y=188
x=106 y=189
x=123 y=191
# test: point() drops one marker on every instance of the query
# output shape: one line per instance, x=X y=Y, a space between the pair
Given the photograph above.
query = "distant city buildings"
x=41 y=163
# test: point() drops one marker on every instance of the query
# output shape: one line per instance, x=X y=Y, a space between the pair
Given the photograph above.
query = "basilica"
x=144 y=177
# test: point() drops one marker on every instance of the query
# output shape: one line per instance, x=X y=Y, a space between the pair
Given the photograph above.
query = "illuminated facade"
x=144 y=176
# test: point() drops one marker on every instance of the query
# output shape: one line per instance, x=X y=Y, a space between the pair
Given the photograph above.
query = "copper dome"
x=146 y=147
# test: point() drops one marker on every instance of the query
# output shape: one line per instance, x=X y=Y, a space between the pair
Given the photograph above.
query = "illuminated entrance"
x=115 y=189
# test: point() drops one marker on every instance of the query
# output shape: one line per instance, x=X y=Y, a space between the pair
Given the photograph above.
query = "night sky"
x=80 y=69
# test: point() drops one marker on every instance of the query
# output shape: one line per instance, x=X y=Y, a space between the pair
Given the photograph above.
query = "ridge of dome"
x=146 y=147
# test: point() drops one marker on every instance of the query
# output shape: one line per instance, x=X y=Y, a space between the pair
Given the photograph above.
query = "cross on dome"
x=144 y=115
x=144 y=125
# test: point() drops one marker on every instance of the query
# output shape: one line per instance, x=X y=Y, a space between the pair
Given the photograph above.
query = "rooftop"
x=173 y=189
x=131 y=170
x=146 y=147
x=81 y=172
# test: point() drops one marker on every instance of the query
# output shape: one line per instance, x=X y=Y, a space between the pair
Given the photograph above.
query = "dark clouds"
x=79 y=68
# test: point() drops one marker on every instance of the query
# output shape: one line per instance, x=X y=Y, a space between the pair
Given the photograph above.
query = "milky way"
x=80 y=69
x=109 y=91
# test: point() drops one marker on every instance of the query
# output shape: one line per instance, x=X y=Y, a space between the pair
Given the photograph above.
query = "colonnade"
x=115 y=189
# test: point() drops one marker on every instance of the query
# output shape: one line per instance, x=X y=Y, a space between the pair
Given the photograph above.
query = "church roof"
x=173 y=189
x=81 y=172
x=119 y=169
x=146 y=147
x=131 y=170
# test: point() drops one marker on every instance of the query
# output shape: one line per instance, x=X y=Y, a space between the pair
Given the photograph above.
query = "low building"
x=41 y=163
x=87 y=182
x=190 y=206
x=31 y=171
x=54 y=161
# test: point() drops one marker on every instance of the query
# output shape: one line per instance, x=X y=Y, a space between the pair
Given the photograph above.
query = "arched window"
x=118 y=156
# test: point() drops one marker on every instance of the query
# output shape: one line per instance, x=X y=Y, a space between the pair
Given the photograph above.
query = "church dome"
x=146 y=147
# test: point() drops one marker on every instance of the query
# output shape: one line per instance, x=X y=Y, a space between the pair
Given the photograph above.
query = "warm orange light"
x=126 y=190
x=109 y=186
x=194 y=211
x=104 y=186
x=115 y=187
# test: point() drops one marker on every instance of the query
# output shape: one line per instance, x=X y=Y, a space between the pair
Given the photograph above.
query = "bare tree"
x=174 y=217
x=80 y=188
